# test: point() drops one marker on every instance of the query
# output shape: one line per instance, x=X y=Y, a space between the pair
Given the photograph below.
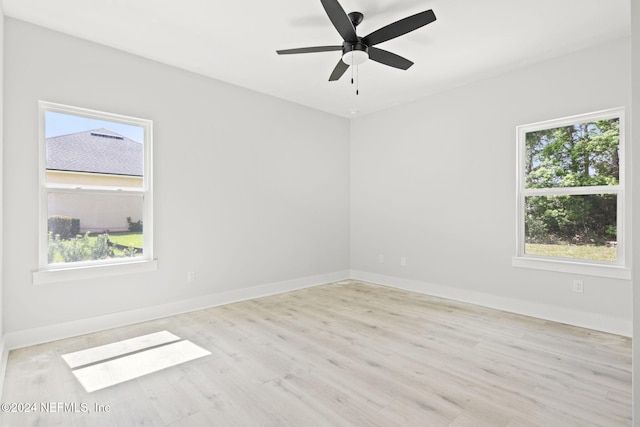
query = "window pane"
x=581 y=226
x=583 y=154
x=89 y=152
x=91 y=226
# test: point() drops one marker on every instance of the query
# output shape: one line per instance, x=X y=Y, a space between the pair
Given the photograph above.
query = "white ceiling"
x=235 y=41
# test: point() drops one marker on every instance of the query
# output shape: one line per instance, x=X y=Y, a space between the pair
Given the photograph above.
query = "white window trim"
x=620 y=269
x=94 y=271
x=48 y=273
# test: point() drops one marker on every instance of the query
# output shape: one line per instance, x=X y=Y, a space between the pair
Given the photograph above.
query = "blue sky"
x=61 y=124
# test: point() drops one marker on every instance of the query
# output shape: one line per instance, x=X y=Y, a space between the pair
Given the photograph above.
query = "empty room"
x=319 y=213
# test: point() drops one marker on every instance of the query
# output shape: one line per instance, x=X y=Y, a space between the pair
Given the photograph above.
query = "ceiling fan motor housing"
x=354 y=53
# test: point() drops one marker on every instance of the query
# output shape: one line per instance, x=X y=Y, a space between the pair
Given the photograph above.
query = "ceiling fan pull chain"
x=357 y=80
x=352 y=66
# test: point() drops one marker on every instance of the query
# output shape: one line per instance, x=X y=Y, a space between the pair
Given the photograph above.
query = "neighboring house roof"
x=95 y=151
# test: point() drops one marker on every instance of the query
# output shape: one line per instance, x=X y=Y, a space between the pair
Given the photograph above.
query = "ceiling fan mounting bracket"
x=356 y=18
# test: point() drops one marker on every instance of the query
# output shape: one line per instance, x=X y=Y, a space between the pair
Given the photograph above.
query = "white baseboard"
x=24 y=338
x=565 y=315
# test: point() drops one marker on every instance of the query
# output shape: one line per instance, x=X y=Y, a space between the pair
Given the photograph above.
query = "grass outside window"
x=588 y=252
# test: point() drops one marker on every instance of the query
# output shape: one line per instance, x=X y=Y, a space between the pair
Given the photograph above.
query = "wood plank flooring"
x=343 y=354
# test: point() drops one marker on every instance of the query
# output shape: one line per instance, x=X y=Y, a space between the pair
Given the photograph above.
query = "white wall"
x=635 y=131
x=2 y=352
x=434 y=181
x=249 y=190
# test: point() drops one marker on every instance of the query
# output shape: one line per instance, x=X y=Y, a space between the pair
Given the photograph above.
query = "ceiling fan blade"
x=341 y=67
x=388 y=58
x=400 y=27
x=308 y=50
x=340 y=20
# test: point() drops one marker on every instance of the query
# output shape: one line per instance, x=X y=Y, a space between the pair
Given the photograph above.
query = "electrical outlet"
x=578 y=286
x=381 y=259
x=191 y=276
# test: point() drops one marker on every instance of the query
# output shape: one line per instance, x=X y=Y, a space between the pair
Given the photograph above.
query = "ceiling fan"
x=355 y=49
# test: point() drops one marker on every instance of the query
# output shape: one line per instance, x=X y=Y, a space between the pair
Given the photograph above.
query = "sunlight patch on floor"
x=104 y=366
x=116 y=349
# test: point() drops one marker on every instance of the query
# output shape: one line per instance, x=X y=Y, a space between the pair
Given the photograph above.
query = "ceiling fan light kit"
x=355 y=54
x=355 y=49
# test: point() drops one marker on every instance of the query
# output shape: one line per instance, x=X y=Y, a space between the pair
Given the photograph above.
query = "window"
x=571 y=194
x=96 y=200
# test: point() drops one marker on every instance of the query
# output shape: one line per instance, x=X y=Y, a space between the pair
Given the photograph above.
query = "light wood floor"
x=346 y=354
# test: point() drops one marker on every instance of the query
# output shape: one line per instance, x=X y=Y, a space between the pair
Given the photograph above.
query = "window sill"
x=41 y=277
x=601 y=270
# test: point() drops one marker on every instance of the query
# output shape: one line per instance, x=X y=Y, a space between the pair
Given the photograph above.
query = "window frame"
x=48 y=273
x=614 y=269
